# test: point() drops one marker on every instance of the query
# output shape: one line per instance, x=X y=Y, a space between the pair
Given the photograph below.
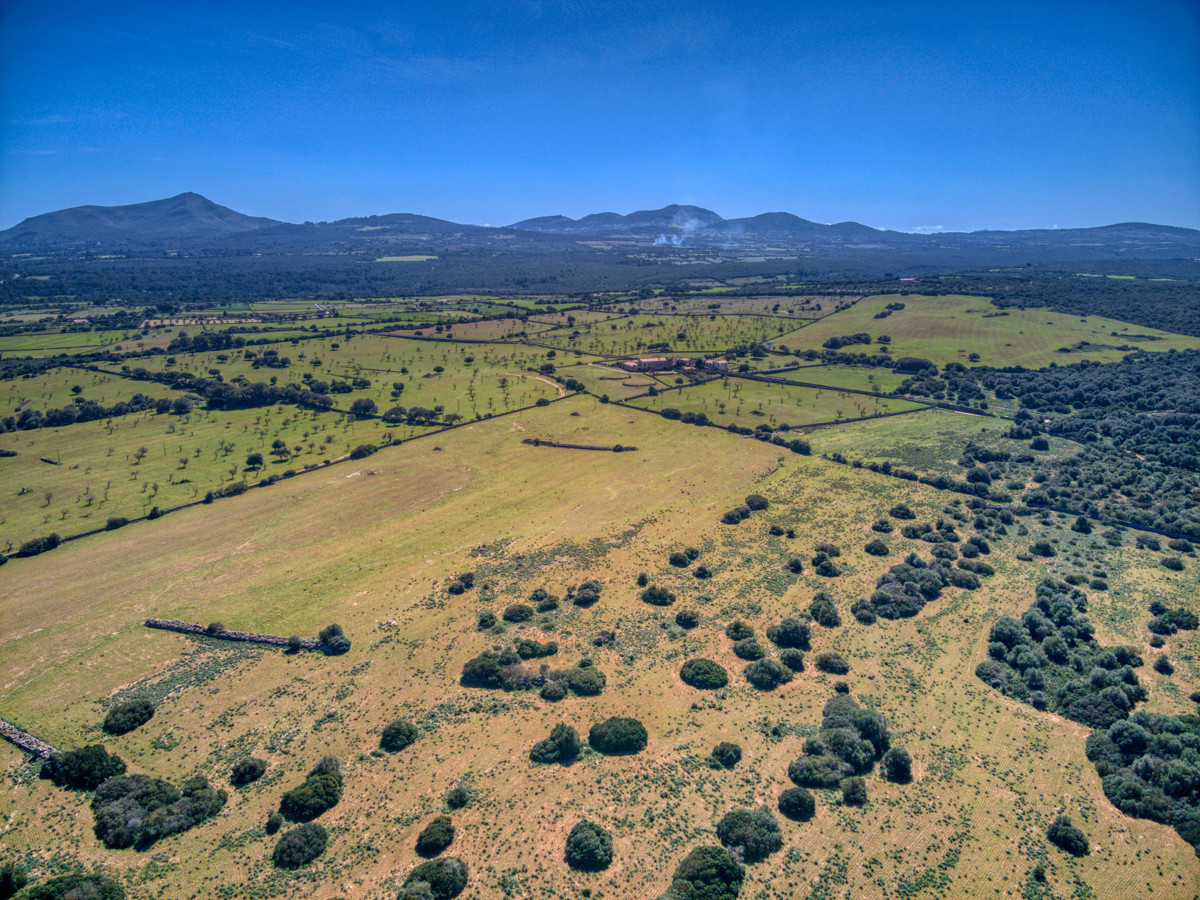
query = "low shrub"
x=749 y=649
x=1067 y=837
x=752 y=834
x=757 y=502
x=679 y=560
x=300 y=846
x=726 y=755
x=833 y=664
x=586 y=681
x=767 y=674
x=657 y=596
x=398 y=734
x=518 y=612
x=703 y=674
x=321 y=791
x=589 y=847
x=686 y=618
x=435 y=837
x=562 y=746
x=246 y=770
x=618 y=736
x=80 y=886
x=876 y=547
x=124 y=717
x=707 y=873
x=587 y=593
x=274 y=822
x=438 y=879
x=854 y=791
x=738 y=631
x=487 y=619
x=84 y=769
x=897 y=765
x=333 y=640
x=797 y=804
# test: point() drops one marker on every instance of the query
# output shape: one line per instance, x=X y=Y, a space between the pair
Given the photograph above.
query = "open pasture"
x=949 y=329
x=750 y=403
x=374 y=552
x=636 y=335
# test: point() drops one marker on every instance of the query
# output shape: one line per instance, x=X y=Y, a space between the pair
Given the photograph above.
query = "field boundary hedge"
x=244 y=636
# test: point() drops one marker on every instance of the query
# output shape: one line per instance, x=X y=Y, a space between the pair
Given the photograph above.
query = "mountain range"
x=190 y=220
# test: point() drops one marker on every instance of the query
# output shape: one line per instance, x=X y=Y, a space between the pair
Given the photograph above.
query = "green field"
x=750 y=403
x=374 y=543
x=950 y=328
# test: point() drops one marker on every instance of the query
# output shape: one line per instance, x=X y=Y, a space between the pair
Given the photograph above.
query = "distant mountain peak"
x=182 y=217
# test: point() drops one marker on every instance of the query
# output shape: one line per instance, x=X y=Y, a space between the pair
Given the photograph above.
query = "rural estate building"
x=651 y=364
x=715 y=365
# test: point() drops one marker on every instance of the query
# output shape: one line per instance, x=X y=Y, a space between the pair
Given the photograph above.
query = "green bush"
x=864 y=611
x=679 y=560
x=586 y=681
x=75 y=887
x=518 y=612
x=321 y=791
x=486 y=620
x=85 y=769
x=12 y=878
x=618 y=736
x=397 y=735
x=458 y=796
x=707 y=873
x=790 y=632
x=333 y=640
x=562 y=746
x=797 y=804
x=833 y=664
x=274 y=822
x=748 y=649
x=1163 y=665
x=824 y=611
x=553 y=691
x=687 y=618
x=703 y=674
x=362 y=451
x=793 y=659
x=897 y=765
x=246 y=770
x=757 y=502
x=726 y=755
x=854 y=791
x=137 y=810
x=657 y=596
x=124 y=717
x=589 y=847
x=876 y=547
x=1067 y=837
x=587 y=593
x=440 y=879
x=738 y=631
x=435 y=837
x=767 y=674
x=753 y=834
x=300 y=846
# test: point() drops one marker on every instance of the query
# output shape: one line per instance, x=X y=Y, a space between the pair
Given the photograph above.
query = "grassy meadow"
x=373 y=545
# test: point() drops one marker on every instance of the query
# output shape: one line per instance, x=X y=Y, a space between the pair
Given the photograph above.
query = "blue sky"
x=914 y=116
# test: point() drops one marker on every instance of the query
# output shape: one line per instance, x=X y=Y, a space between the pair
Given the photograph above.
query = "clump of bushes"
x=398 y=734
x=876 y=547
x=562 y=746
x=707 y=873
x=832 y=663
x=124 y=717
x=589 y=847
x=1050 y=659
x=321 y=791
x=81 y=885
x=824 y=611
x=586 y=680
x=435 y=837
x=461 y=583
x=897 y=765
x=486 y=621
x=905 y=588
x=439 y=879
x=748 y=649
x=752 y=834
x=1066 y=836
x=300 y=846
x=274 y=822
x=679 y=560
x=656 y=596
x=518 y=612
x=854 y=791
x=795 y=565
x=587 y=593
x=1163 y=665
x=757 y=502
x=687 y=618
x=84 y=769
x=851 y=739
x=864 y=612
x=553 y=691
x=797 y=804
x=901 y=511
x=618 y=736
x=137 y=810
x=703 y=674
x=736 y=515
x=458 y=796
x=738 y=631
x=333 y=640
x=543 y=600
x=246 y=770
x=726 y=755
x=792 y=658
x=527 y=648
x=767 y=674
x=1168 y=621
x=790 y=632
